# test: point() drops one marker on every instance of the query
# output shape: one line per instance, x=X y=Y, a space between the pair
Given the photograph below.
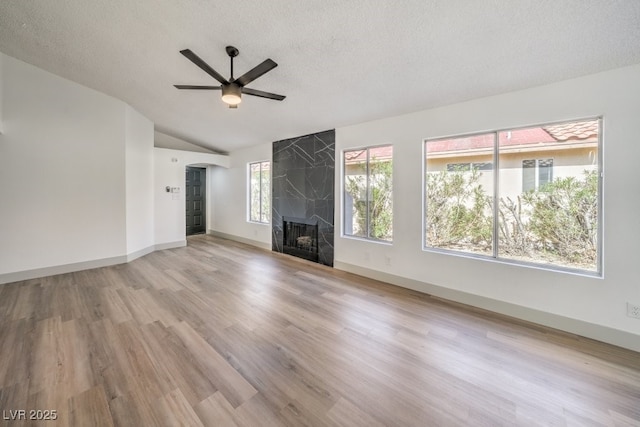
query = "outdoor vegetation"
x=369 y=193
x=377 y=202
x=557 y=223
x=260 y=192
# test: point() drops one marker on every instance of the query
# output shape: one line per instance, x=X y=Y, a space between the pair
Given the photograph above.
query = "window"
x=464 y=167
x=259 y=192
x=368 y=191
x=459 y=198
x=536 y=174
x=529 y=195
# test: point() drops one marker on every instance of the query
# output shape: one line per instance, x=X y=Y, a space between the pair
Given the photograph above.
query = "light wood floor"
x=222 y=334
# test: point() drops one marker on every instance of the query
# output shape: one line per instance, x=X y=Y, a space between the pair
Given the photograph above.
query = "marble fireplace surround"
x=302 y=179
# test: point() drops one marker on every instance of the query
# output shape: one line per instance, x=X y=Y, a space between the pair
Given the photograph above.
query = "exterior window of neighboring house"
x=260 y=192
x=536 y=174
x=464 y=167
x=368 y=193
x=529 y=195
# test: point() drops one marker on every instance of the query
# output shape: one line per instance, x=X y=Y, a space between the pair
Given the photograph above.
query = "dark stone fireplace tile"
x=320 y=180
x=324 y=149
x=303 y=187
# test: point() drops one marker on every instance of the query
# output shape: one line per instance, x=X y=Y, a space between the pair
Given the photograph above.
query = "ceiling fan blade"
x=198 y=87
x=262 y=94
x=203 y=65
x=256 y=72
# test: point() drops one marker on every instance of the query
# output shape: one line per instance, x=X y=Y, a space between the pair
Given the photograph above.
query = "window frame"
x=260 y=196
x=536 y=173
x=495 y=257
x=344 y=192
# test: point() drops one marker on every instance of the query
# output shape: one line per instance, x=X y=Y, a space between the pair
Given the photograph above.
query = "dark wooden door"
x=195 y=189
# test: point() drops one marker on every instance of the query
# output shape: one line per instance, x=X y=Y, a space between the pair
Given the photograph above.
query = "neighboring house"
x=529 y=158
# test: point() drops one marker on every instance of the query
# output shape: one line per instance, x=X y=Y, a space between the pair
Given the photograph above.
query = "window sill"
x=537 y=266
x=366 y=239
x=258 y=223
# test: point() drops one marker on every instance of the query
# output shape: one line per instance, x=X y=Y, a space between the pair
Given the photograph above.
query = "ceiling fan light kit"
x=232 y=89
x=231 y=94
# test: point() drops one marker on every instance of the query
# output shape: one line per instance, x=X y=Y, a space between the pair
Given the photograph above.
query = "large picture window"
x=538 y=202
x=260 y=192
x=368 y=191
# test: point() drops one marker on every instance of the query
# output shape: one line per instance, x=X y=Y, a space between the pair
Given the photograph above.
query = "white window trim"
x=343 y=195
x=598 y=273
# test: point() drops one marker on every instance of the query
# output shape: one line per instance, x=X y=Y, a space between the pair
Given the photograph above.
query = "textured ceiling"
x=340 y=62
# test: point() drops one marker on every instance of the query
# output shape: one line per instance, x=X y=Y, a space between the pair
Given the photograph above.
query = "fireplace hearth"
x=300 y=238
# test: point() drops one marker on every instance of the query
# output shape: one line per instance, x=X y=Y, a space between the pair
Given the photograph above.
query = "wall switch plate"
x=633 y=310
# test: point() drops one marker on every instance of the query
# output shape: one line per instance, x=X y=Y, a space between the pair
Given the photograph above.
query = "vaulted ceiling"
x=341 y=62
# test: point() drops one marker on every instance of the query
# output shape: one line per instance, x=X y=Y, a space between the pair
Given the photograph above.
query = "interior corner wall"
x=169 y=207
x=62 y=169
x=230 y=199
x=83 y=185
x=590 y=306
x=139 y=183
x=1 y=97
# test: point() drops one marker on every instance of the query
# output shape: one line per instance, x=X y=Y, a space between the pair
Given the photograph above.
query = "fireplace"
x=300 y=238
x=302 y=192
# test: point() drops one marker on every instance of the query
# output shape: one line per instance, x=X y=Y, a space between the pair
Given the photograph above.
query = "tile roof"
x=375 y=153
x=574 y=130
x=582 y=131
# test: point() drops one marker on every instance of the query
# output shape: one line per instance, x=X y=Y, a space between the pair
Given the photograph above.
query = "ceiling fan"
x=232 y=89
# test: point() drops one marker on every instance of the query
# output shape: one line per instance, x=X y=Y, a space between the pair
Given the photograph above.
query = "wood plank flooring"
x=223 y=334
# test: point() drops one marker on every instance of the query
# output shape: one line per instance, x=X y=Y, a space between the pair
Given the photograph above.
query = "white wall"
x=62 y=170
x=169 y=170
x=1 y=91
x=139 y=183
x=82 y=184
x=229 y=189
x=590 y=306
x=162 y=140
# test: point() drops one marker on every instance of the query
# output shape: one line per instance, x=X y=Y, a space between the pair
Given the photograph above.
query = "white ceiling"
x=340 y=62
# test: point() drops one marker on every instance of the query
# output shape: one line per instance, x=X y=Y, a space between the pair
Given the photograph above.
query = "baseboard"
x=589 y=330
x=60 y=269
x=139 y=253
x=170 y=245
x=85 y=265
x=256 y=243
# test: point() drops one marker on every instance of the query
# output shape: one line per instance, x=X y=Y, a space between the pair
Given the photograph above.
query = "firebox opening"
x=300 y=238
